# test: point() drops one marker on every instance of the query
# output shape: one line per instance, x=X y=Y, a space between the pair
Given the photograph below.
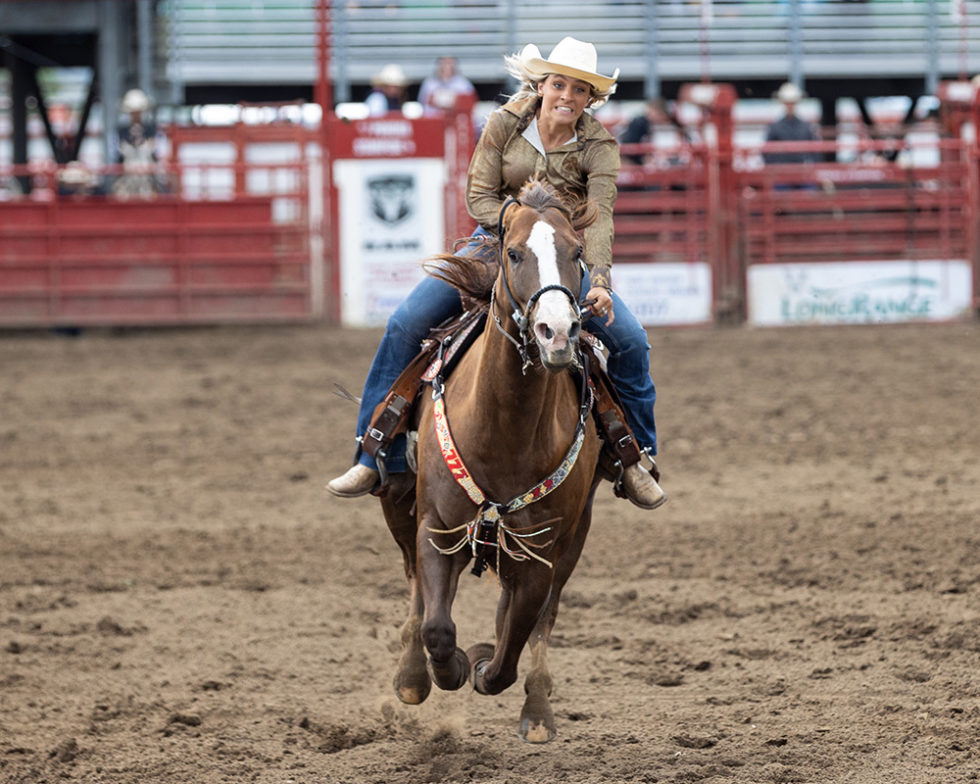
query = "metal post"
x=175 y=45
x=322 y=89
x=109 y=77
x=932 y=47
x=324 y=271
x=511 y=34
x=342 y=55
x=18 y=109
x=651 y=86
x=144 y=43
x=796 y=43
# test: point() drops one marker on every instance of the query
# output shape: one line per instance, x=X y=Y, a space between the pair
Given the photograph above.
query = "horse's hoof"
x=479 y=657
x=536 y=731
x=413 y=693
x=453 y=674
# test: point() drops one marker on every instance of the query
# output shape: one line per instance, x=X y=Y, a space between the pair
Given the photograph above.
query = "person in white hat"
x=388 y=93
x=138 y=147
x=790 y=128
x=544 y=129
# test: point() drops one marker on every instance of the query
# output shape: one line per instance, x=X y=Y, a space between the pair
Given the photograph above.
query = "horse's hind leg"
x=412 y=682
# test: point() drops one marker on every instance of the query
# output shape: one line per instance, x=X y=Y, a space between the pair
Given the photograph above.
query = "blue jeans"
x=432 y=301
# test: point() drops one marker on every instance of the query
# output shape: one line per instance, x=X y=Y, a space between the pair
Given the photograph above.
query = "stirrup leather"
x=437 y=356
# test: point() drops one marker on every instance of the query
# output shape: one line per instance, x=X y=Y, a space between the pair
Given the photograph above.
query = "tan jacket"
x=504 y=160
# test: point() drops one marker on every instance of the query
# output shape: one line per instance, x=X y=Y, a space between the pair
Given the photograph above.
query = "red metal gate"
x=226 y=242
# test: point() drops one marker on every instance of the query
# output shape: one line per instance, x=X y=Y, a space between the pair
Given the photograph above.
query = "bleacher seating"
x=274 y=41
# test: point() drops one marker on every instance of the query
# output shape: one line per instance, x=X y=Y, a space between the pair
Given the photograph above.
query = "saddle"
x=439 y=355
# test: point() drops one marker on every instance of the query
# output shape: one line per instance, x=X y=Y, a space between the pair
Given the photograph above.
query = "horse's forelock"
x=541 y=195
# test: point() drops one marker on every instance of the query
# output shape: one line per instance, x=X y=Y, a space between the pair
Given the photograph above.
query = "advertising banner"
x=665 y=293
x=859 y=292
x=391 y=220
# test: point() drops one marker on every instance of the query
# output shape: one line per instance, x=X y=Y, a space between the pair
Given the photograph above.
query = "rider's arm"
x=485 y=177
x=601 y=165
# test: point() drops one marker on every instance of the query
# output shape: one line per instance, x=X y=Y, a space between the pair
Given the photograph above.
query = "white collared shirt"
x=533 y=136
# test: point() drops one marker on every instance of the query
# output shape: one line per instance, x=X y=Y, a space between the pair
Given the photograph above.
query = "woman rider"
x=543 y=130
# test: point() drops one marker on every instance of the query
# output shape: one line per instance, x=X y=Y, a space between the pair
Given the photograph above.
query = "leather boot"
x=642 y=489
x=357 y=480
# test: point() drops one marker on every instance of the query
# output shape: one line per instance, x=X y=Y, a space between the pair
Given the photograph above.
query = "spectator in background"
x=439 y=91
x=790 y=128
x=138 y=142
x=388 y=93
x=76 y=180
x=642 y=127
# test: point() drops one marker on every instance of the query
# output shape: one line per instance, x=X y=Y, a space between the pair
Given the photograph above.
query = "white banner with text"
x=859 y=292
x=391 y=219
x=665 y=294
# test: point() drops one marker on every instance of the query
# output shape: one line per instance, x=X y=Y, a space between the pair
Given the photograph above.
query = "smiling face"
x=563 y=100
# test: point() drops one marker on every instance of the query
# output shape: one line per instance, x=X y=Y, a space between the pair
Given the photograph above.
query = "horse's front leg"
x=537 y=718
x=438 y=576
x=525 y=591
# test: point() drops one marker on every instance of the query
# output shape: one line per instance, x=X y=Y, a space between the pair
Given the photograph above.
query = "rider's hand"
x=603 y=305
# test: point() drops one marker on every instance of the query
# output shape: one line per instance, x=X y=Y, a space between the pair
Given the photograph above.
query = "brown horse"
x=511 y=484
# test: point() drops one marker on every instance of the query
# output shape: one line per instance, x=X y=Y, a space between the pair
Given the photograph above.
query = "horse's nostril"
x=574 y=330
x=545 y=332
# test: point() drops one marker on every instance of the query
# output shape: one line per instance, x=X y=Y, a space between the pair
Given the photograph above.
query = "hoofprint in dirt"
x=180 y=600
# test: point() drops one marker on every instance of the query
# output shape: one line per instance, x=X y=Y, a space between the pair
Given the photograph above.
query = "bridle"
x=519 y=315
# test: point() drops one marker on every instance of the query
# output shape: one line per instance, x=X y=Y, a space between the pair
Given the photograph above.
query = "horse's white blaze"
x=554 y=308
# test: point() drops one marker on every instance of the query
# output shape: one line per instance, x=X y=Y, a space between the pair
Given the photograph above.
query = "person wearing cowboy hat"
x=388 y=93
x=790 y=128
x=544 y=129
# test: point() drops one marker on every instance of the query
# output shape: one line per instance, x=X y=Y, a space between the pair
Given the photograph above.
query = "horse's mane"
x=475 y=274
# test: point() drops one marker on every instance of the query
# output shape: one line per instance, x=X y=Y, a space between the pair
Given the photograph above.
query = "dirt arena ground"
x=181 y=601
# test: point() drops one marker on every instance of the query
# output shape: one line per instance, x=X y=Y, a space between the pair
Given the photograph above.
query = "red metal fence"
x=167 y=261
x=243 y=239
x=881 y=206
x=197 y=242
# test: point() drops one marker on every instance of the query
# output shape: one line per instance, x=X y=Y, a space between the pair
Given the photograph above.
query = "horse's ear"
x=585 y=214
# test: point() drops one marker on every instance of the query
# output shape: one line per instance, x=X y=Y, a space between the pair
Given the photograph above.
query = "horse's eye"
x=512 y=255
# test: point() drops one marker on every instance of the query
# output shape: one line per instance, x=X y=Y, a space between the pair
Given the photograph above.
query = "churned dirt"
x=181 y=601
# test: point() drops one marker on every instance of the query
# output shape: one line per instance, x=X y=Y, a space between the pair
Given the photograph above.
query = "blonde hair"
x=529 y=81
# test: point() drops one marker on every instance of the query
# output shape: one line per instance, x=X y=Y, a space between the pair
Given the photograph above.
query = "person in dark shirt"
x=790 y=128
x=642 y=127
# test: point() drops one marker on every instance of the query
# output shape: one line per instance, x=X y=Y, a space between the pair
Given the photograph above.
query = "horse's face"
x=541 y=249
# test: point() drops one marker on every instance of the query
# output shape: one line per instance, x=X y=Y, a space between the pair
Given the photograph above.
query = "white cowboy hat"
x=390 y=74
x=135 y=101
x=570 y=57
x=789 y=93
